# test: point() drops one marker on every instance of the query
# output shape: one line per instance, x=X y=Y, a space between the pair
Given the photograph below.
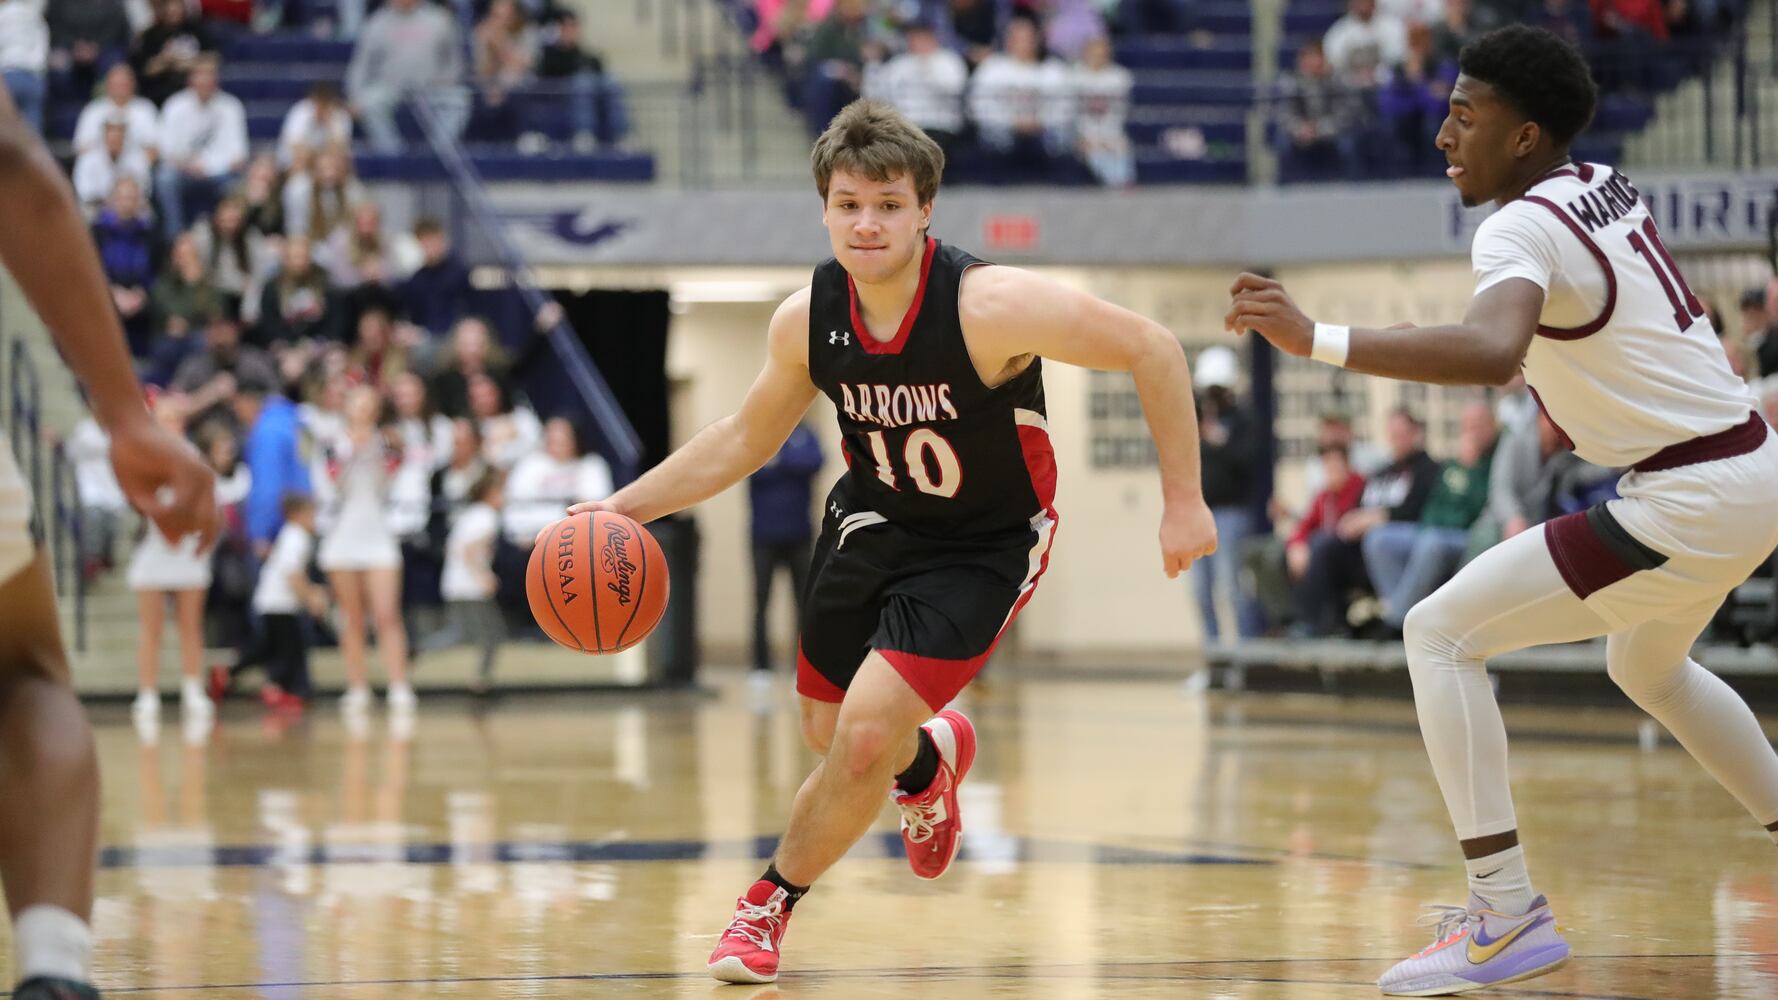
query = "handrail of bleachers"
x=55 y=503
x=624 y=446
x=65 y=543
x=25 y=422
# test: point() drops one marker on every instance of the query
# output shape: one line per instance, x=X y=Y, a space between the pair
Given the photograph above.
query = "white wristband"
x=1331 y=344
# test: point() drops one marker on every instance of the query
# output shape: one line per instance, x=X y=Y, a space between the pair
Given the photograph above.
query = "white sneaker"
x=147 y=706
x=401 y=698
x=1478 y=948
x=356 y=700
x=194 y=703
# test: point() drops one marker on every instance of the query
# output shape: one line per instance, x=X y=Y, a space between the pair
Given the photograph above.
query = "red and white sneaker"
x=748 y=950
x=931 y=826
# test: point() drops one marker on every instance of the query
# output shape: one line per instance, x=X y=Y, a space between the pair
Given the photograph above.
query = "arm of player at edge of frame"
x=1487 y=348
x=45 y=245
x=733 y=448
x=1008 y=313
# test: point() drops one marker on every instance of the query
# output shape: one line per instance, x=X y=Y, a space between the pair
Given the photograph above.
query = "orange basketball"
x=597 y=582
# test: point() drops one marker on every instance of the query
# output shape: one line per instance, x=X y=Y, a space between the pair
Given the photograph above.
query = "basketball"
x=597 y=582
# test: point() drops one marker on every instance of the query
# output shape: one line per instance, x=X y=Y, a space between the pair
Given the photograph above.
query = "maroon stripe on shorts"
x=1738 y=440
x=1586 y=563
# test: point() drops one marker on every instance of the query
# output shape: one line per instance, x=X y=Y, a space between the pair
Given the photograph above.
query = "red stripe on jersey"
x=1577 y=332
x=871 y=344
x=1562 y=171
x=1040 y=462
x=810 y=684
x=1567 y=442
x=1748 y=436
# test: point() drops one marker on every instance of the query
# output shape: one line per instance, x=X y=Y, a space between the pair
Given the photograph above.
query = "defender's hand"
x=164 y=478
x=1262 y=305
x=1188 y=533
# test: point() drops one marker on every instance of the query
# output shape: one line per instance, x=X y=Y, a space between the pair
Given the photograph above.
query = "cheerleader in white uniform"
x=160 y=571
x=359 y=550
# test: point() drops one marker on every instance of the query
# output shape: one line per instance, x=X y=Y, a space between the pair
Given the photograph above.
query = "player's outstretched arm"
x=1485 y=349
x=1008 y=313
x=733 y=448
x=45 y=244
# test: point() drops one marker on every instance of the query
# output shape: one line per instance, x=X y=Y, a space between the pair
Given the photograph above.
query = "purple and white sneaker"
x=1477 y=948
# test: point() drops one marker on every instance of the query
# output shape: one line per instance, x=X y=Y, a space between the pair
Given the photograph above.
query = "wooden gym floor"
x=1125 y=840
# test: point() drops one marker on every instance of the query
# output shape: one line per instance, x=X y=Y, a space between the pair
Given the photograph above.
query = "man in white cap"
x=1226 y=448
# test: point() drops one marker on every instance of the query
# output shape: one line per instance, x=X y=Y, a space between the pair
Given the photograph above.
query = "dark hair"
x=1408 y=415
x=878 y=142
x=294 y=503
x=325 y=91
x=485 y=484
x=428 y=226
x=1539 y=73
x=1334 y=449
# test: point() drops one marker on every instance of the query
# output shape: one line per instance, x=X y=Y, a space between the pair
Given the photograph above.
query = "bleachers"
x=1193 y=87
x=271 y=72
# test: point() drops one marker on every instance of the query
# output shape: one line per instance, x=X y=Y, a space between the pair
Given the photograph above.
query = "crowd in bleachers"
x=1384 y=525
x=1028 y=91
x=330 y=368
x=1365 y=99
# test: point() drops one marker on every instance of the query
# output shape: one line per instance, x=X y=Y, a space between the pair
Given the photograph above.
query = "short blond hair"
x=876 y=141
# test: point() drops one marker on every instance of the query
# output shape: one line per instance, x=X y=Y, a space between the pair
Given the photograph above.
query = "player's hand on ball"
x=1262 y=305
x=584 y=507
x=1188 y=533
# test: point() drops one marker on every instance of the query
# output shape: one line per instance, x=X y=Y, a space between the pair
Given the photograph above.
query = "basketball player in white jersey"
x=49 y=778
x=1573 y=286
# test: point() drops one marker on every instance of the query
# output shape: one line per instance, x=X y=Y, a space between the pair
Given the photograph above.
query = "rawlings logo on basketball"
x=565 y=561
x=614 y=559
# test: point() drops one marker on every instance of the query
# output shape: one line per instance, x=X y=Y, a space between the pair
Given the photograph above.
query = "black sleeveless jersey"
x=928 y=447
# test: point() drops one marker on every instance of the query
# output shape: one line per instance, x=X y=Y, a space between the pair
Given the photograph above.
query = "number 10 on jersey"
x=923 y=443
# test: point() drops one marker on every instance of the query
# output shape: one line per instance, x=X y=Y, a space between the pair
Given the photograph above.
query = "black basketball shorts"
x=934 y=608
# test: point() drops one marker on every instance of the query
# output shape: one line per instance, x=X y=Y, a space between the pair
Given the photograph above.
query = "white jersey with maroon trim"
x=1625 y=361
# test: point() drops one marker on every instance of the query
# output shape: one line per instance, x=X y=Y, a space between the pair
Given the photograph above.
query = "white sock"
x=1502 y=881
x=50 y=941
x=191 y=689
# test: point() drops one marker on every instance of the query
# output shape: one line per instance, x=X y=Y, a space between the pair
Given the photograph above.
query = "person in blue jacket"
x=274 y=456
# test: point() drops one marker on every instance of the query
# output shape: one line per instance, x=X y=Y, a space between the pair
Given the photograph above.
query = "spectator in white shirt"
x=96 y=171
x=545 y=483
x=468 y=581
x=24 y=56
x=203 y=136
x=119 y=99
x=314 y=123
x=1021 y=103
x=1364 y=42
x=925 y=83
x=1427 y=12
x=1102 y=105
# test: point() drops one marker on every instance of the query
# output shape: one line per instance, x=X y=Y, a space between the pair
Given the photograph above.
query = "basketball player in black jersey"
x=938 y=532
x=49 y=777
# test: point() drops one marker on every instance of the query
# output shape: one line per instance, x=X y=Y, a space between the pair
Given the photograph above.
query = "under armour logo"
x=837 y=512
x=839 y=337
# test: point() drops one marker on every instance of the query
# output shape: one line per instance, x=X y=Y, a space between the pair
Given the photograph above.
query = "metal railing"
x=623 y=446
x=55 y=501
